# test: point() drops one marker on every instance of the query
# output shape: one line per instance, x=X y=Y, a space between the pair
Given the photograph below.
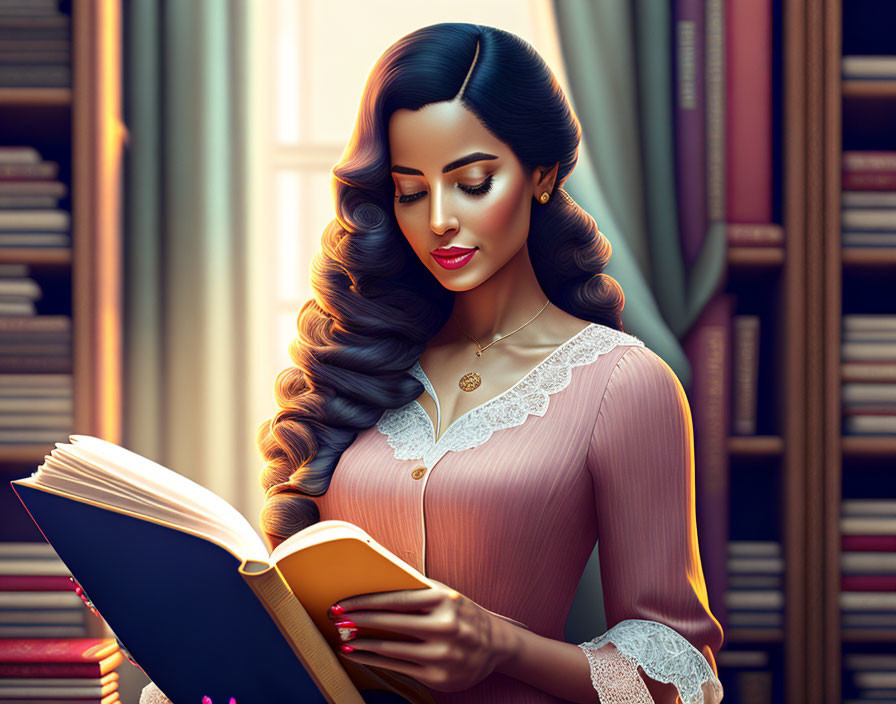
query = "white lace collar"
x=410 y=431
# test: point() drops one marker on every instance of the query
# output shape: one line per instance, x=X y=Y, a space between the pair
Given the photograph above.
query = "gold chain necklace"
x=471 y=380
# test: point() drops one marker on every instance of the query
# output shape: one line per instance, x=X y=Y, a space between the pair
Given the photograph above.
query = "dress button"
x=418 y=472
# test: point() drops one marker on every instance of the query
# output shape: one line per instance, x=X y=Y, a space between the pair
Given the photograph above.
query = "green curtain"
x=185 y=240
x=617 y=57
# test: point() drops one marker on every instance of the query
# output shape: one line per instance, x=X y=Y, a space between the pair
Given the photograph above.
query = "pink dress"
x=593 y=444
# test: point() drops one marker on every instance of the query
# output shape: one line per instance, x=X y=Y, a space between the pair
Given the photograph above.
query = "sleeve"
x=641 y=459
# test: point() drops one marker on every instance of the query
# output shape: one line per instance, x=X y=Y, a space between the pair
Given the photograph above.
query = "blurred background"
x=165 y=180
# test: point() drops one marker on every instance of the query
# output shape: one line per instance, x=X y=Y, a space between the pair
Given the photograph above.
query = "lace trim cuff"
x=664 y=655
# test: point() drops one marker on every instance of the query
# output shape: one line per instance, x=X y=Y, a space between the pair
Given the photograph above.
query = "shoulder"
x=642 y=382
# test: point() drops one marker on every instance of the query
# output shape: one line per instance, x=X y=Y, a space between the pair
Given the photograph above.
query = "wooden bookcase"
x=850 y=115
x=81 y=129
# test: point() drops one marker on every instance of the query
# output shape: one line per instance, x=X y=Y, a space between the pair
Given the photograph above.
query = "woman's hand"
x=460 y=643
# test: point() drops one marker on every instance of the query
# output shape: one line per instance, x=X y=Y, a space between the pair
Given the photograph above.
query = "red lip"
x=454 y=257
x=451 y=251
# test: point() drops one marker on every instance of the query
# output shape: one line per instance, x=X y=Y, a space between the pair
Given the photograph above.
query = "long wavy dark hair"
x=376 y=305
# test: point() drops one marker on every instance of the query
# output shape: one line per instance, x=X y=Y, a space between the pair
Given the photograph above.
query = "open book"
x=190 y=590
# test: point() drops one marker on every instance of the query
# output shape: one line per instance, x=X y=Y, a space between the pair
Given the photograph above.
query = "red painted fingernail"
x=345 y=623
x=346 y=648
x=336 y=610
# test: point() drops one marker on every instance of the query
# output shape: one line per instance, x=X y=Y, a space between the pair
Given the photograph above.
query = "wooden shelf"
x=868 y=635
x=869 y=89
x=55 y=256
x=869 y=446
x=755 y=257
x=864 y=257
x=23 y=454
x=754 y=635
x=36 y=97
x=756 y=445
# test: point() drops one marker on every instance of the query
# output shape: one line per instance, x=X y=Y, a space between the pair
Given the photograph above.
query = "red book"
x=869 y=181
x=40 y=583
x=868 y=543
x=83 y=650
x=867 y=583
x=61 y=669
x=748 y=110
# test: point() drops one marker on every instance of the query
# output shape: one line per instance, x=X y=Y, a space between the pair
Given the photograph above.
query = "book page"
x=100 y=471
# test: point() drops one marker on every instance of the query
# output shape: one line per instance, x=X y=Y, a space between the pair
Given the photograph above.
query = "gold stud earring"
x=544 y=197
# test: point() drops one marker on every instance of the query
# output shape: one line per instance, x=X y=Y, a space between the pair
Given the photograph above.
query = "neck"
x=507 y=299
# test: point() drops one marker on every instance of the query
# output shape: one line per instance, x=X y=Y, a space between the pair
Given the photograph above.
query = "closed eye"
x=479 y=190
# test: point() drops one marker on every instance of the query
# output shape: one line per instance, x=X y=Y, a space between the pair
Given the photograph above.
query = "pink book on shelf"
x=748 y=110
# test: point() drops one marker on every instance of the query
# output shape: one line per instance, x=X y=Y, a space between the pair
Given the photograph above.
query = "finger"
x=418 y=625
x=452 y=593
x=402 y=666
x=400 y=600
x=417 y=653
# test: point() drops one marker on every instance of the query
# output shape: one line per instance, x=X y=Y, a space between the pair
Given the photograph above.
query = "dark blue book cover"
x=177 y=602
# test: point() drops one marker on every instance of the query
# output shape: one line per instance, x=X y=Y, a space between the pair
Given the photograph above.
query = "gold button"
x=419 y=472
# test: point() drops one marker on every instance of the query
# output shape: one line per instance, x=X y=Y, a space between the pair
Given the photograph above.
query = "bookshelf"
x=767 y=652
x=81 y=130
x=854 y=115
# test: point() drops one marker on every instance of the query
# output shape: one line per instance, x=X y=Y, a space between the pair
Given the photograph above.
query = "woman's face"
x=458 y=186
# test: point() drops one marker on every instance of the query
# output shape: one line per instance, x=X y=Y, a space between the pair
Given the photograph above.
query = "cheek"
x=506 y=214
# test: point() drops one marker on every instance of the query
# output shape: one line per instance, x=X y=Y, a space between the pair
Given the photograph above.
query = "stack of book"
x=30 y=193
x=755 y=594
x=34 y=408
x=18 y=291
x=868 y=563
x=35 y=44
x=868 y=207
x=870 y=677
x=37 y=596
x=72 y=671
x=868 y=374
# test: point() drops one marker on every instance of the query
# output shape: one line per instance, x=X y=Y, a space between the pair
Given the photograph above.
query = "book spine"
x=690 y=125
x=54 y=669
x=754 y=234
x=306 y=641
x=746 y=373
x=748 y=110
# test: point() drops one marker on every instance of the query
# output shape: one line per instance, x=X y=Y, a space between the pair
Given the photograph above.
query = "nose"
x=441 y=217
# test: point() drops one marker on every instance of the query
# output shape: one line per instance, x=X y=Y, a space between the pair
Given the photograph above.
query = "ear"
x=543 y=179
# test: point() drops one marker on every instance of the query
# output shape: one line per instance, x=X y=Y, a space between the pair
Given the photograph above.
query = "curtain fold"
x=617 y=58
x=185 y=241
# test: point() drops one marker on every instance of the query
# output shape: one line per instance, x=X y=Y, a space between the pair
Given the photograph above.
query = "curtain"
x=186 y=250
x=617 y=57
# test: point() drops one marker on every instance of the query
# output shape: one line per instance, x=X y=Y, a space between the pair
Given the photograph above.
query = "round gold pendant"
x=470 y=381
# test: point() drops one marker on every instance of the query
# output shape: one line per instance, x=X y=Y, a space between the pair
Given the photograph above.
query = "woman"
x=464 y=392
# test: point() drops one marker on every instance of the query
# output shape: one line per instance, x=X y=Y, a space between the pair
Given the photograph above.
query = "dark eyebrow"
x=456 y=164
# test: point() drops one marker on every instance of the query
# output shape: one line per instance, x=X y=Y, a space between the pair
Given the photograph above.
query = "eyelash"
x=479 y=190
